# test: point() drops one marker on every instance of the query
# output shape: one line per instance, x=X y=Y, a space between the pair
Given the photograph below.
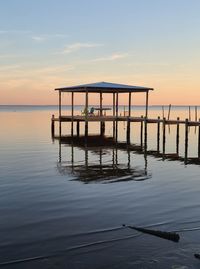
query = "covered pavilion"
x=101 y=88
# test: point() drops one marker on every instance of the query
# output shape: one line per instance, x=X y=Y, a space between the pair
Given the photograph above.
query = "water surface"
x=67 y=203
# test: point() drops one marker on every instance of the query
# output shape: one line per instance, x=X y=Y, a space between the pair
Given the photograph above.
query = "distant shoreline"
x=96 y=105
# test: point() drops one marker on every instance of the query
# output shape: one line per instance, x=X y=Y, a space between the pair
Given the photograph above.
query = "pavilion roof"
x=104 y=87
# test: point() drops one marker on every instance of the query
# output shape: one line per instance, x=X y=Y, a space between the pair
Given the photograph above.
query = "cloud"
x=44 y=37
x=38 y=38
x=77 y=46
x=9 y=67
x=112 y=57
x=2 y=32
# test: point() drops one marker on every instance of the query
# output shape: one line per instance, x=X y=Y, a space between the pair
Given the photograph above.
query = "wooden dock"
x=115 y=89
x=144 y=122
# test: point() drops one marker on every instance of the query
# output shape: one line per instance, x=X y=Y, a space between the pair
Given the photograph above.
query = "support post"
x=196 y=118
x=145 y=135
x=60 y=102
x=177 y=136
x=78 y=128
x=164 y=135
x=101 y=114
x=52 y=127
x=128 y=131
x=141 y=131
x=158 y=135
x=72 y=122
x=147 y=104
x=86 y=114
x=114 y=115
x=186 y=140
x=129 y=105
x=117 y=103
x=199 y=140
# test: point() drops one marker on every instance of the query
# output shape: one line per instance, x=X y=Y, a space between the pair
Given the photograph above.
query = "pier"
x=115 y=89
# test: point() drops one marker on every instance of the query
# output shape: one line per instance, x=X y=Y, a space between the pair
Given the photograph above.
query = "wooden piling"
x=145 y=134
x=177 y=136
x=102 y=128
x=158 y=135
x=168 y=117
x=60 y=113
x=128 y=131
x=164 y=135
x=86 y=114
x=101 y=113
x=52 y=126
x=141 y=131
x=72 y=120
x=117 y=109
x=196 y=115
x=78 y=128
x=189 y=113
x=199 y=140
x=186 y=140
x=114 y=115
x=163 y=112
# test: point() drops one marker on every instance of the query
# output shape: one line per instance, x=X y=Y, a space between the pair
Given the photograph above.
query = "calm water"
x=67 y=203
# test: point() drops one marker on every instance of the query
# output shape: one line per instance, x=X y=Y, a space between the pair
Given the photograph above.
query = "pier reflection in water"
x=104 y=165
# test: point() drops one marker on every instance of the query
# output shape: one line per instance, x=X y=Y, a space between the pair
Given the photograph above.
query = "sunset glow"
x=49 y=44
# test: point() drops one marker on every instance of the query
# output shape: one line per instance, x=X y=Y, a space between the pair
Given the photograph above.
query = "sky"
x=46 y=44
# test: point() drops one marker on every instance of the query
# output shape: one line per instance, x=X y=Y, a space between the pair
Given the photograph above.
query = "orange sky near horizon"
x=91 y=44
x=184 y=92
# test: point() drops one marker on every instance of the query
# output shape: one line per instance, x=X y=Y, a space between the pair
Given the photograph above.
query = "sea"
x=64 y=204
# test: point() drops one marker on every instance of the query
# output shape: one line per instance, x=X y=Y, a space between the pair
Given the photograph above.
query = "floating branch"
x=165 y=235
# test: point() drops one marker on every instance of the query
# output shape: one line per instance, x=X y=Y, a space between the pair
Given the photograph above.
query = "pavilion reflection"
x=97 y=169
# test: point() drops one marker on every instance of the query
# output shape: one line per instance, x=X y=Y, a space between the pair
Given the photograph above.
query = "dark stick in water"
x=196 y=255
x=165 y=235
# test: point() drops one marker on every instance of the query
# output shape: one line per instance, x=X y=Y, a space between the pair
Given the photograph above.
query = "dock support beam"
x=117 y=103
x=145 y=135
x=199 y=140
x=52 y=126
x=129 y=105
x=86 y=114
x=78 y=128
x=72 y=122
x=186 y=140
x=177 y=136
x=164 y=135
x=128 y=120
x=147 y=104
x=158 y=135
x=128 y=131
x=114 y=115
x=141 y=132
x=59 y=113
x=102 y=124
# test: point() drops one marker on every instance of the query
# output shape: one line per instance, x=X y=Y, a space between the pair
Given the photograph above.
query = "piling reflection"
x=105 y=165
x=112 y=170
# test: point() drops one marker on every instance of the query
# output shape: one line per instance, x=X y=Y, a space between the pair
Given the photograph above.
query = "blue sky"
x=46 y=44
